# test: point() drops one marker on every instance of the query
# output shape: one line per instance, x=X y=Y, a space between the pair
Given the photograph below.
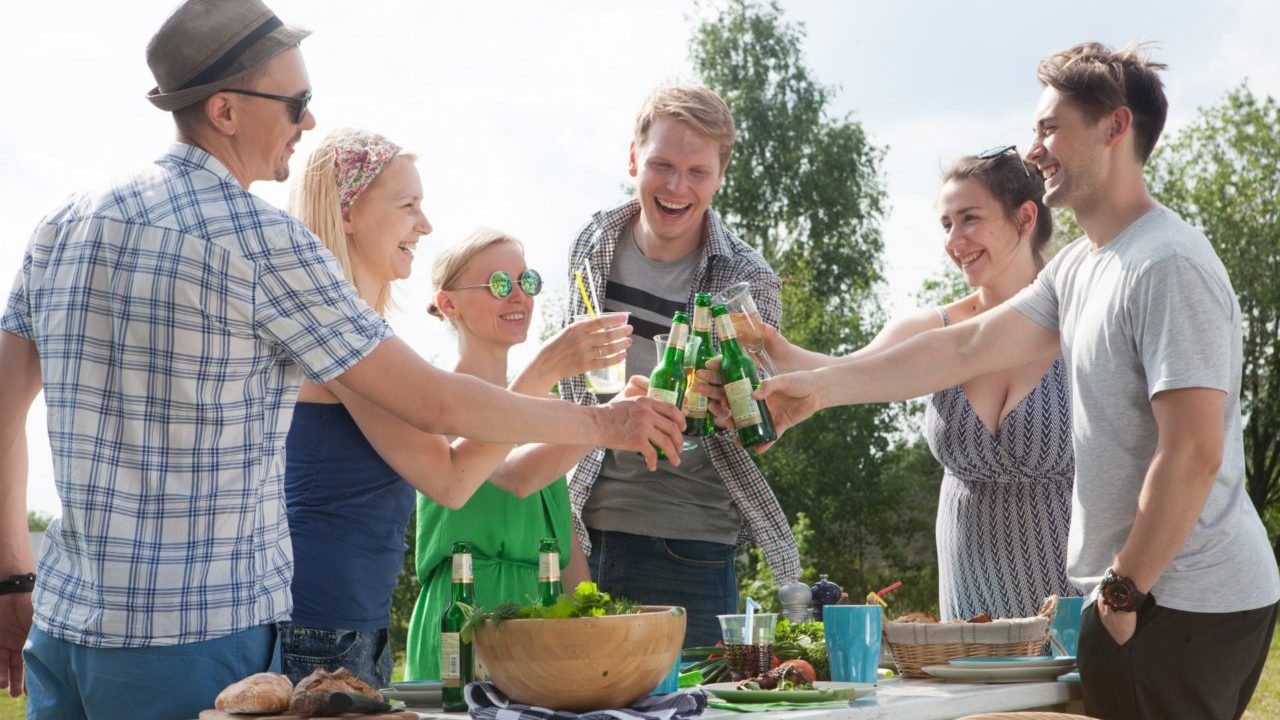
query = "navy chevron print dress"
x=1005 y=505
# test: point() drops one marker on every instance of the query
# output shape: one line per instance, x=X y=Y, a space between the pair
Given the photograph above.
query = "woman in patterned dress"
x=1004 y=440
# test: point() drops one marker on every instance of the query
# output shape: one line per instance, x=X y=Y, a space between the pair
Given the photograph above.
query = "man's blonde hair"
x=316 y=202
x=451 y=261
x=695 y=105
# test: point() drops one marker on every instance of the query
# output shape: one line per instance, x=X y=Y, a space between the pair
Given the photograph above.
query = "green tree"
x=806 y=189
x=38 y=521
x=1222 y=174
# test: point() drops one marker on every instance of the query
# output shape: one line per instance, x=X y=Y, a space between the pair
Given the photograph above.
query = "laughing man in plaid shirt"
x=169 y=321
x=668 y=537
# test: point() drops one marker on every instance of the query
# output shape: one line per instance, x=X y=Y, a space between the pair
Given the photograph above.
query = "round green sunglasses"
x=500 y=284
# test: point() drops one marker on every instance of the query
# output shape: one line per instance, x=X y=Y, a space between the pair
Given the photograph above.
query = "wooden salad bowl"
x=579 y=664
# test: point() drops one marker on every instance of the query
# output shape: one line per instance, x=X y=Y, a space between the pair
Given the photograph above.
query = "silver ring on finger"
x=600 y=352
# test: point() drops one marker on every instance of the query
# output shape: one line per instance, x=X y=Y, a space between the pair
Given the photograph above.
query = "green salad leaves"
x=586 y=601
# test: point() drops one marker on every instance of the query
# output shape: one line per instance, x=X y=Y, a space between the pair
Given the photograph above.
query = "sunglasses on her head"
x=1000 y=151
x=297 y=103
x=501 y=285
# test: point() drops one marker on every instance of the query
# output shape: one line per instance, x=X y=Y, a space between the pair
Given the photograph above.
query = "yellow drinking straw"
x=577 y=274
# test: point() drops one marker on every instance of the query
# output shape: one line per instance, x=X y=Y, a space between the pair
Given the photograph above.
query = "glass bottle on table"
x=738 y=373
x=549 y=586
x=667 y=381
x=698 y=421
x=456 y=664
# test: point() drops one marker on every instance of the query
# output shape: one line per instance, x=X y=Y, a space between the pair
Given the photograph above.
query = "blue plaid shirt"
x=175 y=315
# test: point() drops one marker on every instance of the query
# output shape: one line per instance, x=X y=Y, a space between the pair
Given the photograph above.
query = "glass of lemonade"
x=612 y=379
x=746 y=323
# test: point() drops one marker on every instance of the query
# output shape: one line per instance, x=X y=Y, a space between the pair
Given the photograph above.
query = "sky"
x=521 y=113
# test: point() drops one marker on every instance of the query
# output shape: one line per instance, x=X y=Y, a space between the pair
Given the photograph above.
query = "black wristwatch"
x=18 y=584
x=1120 y=593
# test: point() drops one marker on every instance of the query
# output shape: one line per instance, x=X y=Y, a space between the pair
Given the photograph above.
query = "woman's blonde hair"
x=316 y=201
x=451 y=261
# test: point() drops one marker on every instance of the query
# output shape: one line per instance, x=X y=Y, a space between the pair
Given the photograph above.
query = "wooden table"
x=901 y=699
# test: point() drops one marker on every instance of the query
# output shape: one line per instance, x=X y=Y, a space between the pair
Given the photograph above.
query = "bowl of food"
x=607 y=656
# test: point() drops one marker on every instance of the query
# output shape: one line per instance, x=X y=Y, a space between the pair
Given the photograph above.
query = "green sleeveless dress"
x=504 y=531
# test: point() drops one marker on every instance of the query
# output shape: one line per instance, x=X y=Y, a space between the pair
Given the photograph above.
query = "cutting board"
x=220 y=715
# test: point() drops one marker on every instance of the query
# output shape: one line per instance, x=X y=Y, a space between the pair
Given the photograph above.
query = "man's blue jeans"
x=693 y=574
x=365 y=653
x=74 y=682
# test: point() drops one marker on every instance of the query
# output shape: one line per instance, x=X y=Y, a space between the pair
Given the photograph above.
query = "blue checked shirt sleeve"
x=306 y=308
x=17 y=312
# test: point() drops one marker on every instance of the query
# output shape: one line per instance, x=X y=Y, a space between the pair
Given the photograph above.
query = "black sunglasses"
x=1000 y=151
x=297 y=103
x=500 y=284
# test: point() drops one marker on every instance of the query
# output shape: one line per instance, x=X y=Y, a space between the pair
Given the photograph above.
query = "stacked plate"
x=422 y=693
x=1003 y=669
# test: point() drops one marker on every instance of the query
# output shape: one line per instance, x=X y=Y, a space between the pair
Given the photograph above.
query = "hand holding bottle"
x=643 y=424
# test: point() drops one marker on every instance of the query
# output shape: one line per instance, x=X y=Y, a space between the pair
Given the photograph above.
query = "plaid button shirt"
x=174 y=316
x=726 y=260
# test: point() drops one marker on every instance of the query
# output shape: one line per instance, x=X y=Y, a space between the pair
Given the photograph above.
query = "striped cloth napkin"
x=486 y=702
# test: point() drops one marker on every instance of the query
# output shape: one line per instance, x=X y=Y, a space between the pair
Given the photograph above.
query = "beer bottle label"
x=666 y=396
x=724 y=327
x=450 y=660
x=701 y=319
x=745 y=409
x=695 y=404
x=679 y=336
x=462 y=568
x=548 y=567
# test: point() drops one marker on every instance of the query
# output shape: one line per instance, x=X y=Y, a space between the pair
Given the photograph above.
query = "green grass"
x=1265 y=704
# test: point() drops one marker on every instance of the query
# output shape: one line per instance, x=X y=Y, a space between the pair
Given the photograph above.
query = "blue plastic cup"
x=670 y=683
x=1066 y=623
x=853 y=641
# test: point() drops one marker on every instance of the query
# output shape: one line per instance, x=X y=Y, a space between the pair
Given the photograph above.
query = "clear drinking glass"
x=746 y=323
x=690 y=366
x=612 y=379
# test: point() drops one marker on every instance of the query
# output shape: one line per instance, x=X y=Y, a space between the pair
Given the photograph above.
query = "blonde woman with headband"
x=485 y=291
x=351 y=468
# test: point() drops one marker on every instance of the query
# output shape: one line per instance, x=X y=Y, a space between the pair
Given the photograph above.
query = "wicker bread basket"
x=915 y=645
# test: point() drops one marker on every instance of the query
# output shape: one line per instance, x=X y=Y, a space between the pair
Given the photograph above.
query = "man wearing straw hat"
x=668 y=536
x=169 y=322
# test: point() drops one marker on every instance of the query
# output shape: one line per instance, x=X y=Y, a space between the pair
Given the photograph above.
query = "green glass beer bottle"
x=456 y=668
x=698 y=421
x=666 y=382
x=738 y=372
x=549 y=587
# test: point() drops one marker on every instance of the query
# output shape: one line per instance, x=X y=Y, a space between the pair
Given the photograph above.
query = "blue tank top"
x=348 y=511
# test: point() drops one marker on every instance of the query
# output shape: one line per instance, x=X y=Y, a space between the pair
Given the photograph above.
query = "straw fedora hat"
x=208 y=45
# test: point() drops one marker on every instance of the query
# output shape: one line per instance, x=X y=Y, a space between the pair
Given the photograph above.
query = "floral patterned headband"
x=359 y=158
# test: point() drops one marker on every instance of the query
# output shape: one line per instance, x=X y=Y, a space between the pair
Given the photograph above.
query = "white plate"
x=995 y=675
x=1014 y=662
x=413 y=698
x=418 y=685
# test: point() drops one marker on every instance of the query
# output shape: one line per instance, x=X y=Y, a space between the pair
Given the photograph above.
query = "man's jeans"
x=693 y=574
x=365 y=653
x=73 y=682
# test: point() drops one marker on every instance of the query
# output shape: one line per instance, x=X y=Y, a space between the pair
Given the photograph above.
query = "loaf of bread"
x=340 y=680
x=262 y=693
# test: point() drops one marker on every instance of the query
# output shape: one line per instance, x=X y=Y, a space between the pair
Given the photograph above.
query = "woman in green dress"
x=485 y=291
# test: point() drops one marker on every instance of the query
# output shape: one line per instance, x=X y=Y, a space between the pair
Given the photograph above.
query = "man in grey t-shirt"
x=1144 y=313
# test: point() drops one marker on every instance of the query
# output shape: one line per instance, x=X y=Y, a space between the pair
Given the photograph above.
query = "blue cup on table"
x=1066 y=624
x=853 y=641
x=670 y=683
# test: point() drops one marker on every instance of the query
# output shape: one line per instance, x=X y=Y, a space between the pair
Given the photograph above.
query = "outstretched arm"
x=20 y=370
x=396 y=379
x=996 y=340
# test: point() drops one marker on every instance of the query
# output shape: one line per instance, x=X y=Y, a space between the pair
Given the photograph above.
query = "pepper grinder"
x=825 y=592
x=795 y=597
